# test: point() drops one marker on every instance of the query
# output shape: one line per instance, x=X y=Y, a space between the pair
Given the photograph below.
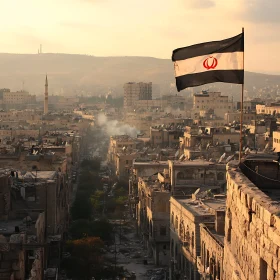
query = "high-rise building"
x=136 y=91
x=46 y=102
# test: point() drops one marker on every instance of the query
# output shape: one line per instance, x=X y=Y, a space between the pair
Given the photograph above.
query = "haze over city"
x=141 y=28
x=139 y=140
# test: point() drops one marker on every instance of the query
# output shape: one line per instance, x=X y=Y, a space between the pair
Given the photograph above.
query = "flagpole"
x=241 y=113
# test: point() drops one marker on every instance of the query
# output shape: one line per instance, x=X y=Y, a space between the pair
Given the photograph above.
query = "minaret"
x=46 y=103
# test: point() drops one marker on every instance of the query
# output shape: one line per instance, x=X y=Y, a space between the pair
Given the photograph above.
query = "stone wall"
x=252 y=230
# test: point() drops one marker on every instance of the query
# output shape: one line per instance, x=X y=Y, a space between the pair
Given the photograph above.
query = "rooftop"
x=202 y=207
x=139 y=162
x=258 y=176
x=196 y=162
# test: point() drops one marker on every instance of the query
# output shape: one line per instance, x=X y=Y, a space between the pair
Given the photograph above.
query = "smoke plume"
x=113 y=127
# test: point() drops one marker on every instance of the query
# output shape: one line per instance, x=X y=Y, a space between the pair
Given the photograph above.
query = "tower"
x=46 y=103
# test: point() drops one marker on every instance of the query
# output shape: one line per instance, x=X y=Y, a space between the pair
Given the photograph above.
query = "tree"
x=86 y=258
x=93 y=164
x=97 y=200
x=81 y=208
x=84 y=228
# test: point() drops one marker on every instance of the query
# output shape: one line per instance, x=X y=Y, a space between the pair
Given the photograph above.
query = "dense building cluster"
x=198 y=210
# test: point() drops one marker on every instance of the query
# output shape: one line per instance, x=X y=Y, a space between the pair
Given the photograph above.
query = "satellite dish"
x=266 y=146
x=222 y=158
x=229 y=158
x=182 y=157
x=197 y=191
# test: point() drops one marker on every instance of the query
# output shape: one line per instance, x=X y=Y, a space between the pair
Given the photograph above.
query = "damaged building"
x=178 y=178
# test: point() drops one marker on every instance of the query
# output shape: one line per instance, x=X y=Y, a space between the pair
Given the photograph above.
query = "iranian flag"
x=217 y=61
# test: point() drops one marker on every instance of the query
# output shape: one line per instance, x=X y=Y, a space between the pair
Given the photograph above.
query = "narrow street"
x=126 y=249
x=130 y=254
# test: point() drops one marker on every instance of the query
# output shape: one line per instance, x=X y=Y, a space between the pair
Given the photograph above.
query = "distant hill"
x=95 y=75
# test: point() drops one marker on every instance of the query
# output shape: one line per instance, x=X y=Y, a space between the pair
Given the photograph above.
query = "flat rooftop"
x=203 y=207
x=47 y=175
x=197 y=162
x=152 y=162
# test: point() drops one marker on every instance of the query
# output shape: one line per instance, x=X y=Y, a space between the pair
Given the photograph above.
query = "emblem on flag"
x=213 y=64
x=217 y=61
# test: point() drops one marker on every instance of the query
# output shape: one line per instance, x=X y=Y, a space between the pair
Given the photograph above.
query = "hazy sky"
x=141 y=27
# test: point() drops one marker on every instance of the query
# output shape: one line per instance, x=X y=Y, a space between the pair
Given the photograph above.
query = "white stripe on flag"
x=218 y=61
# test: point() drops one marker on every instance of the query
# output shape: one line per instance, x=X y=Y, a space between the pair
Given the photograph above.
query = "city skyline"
x=141 y=28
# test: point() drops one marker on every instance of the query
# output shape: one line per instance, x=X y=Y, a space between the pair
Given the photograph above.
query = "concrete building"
x=191 y=175
x=153 y=216
x=248 y=117
x=210 y=261
x=161 y=181
x=252 y=224
x=16 y=100
x=268 y=110
x=22 y=248
x=45 y=190
x=186 y=215
x=124 y=162
x=276 y=141
x=119 y=144
x=134 y=92
x=165 y=137
x=215 y=101
x=209 y=142
x=250 y=105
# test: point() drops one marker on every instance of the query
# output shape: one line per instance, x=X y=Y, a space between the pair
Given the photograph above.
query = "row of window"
x=213 y=101
x=217 y=107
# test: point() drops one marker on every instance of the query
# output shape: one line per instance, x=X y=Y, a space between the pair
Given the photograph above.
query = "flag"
x=217 y=61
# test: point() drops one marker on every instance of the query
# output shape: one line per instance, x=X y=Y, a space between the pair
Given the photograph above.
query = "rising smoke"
x=113 y=127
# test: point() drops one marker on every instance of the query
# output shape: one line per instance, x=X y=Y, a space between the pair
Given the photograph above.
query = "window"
x=126 y=161
x=263 y=270
x=176 y=222
x=192 y=239
x=162 y=231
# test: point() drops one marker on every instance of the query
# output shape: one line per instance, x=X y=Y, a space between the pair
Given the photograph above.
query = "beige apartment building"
x=248 y=117
x=268 y=110
x=215 y=101
x=18 y=133
x=134 y=92
x=153 y=216
x=186 y=216
x=276 y=141
x=18 y=97
x=118 y=144
x=20 y=115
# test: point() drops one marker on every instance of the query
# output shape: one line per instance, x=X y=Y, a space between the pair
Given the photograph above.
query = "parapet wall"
x=252 y=230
